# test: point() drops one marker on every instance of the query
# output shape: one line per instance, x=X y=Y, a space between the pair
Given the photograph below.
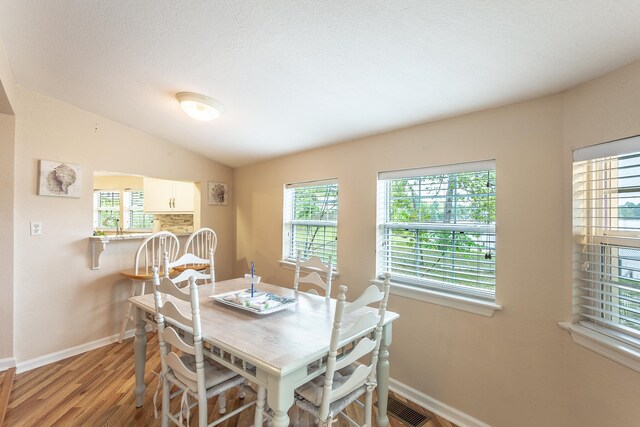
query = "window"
x=311 y=221
x=114 y=208
x=106 y=209
x=606 y=228
x=436 y=228
x=134 y=216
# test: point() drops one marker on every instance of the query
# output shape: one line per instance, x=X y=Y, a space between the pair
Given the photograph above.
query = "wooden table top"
x=277 y=342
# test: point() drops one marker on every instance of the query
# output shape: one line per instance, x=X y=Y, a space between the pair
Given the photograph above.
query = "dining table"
x=279 y=350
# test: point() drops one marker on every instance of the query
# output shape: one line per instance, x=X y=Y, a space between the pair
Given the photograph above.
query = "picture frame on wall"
x=218 y=193
x=59 y=179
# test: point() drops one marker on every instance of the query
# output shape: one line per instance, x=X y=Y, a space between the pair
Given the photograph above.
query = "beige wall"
x=518 y=367
x=6 y=233
x=59 y=301
x=117 y=182
x=7 y=153
x=603 y=110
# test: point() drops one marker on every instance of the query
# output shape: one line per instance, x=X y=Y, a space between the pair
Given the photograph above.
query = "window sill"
x=458 y=302
x=620 y=352
x=292 y=266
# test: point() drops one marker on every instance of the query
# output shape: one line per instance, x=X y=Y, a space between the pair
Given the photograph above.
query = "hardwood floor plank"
x=5 y=392
x=96 y=389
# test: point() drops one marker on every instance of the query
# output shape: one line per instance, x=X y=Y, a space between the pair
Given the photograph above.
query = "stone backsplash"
x=175 y=223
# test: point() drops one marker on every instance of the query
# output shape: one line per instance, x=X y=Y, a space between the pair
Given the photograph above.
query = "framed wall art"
x=59 y=179
x=218 y=193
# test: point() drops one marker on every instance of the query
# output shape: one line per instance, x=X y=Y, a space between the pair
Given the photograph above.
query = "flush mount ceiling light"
x=200 y=107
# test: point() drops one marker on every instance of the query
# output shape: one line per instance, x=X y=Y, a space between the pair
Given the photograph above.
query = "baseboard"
x=7 y=363
x=37 y=362
x=442 y=409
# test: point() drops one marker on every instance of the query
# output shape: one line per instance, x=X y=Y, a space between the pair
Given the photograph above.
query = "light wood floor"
x=96 y=389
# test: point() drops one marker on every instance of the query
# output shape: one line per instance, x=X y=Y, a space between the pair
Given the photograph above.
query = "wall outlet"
x=36 y=229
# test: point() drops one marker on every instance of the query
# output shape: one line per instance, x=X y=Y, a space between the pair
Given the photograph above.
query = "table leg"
x=140 y=352
x=257 y=420
x=280 y=399
x=382 y=372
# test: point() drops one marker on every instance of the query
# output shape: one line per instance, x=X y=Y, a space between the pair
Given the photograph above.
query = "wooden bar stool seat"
x=131 y=274
x=196 y=267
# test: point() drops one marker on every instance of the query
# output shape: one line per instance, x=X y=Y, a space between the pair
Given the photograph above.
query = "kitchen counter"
x=99 y=243
x=129 y=236
x=110 y=237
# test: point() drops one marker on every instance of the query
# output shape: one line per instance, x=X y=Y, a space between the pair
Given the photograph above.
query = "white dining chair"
x=202 y=243
x=150 y=254
x=345 y=380
x=317 y=268
x=192 y=375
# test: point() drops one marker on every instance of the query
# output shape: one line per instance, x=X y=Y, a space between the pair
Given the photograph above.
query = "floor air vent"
x=404 y=414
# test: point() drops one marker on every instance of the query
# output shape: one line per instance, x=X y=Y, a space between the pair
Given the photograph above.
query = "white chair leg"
x=166 y=390
x=202 y=410
x=368 y=403
x=260 y=398
x=222 y=401
x=127 y=314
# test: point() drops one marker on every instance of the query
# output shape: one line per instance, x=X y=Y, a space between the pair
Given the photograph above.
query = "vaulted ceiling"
x=300 y=74
x=5 y=105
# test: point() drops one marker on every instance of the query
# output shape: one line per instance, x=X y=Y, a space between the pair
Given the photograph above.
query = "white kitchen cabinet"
x=164 y=196
x=183 y=196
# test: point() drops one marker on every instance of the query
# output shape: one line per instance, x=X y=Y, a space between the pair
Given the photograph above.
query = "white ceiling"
x=301 y=74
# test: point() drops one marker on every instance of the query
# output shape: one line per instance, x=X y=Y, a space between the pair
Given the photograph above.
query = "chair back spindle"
x=317 y=268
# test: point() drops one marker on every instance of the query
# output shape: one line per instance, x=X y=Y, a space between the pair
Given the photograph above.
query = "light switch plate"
x=36 y=229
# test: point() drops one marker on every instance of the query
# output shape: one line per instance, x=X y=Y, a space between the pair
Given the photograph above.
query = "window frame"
x=597 y=261
x=289 y=254
x=459 y=296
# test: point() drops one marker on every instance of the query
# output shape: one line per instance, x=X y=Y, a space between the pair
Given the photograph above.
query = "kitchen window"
x=436 y=229
x=113 y=209
x=134 y=216
x=606 y=231
x=106 y=210
x=311 y=221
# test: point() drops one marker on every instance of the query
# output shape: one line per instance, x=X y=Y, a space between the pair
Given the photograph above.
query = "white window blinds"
x=606 y=219
x=311 y=220
x=134 y=216
x=106 y=209
x=436 y=227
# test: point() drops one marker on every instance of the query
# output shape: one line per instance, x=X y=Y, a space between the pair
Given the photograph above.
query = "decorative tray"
x=260 y=303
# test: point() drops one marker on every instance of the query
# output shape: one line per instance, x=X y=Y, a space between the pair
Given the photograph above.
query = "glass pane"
x=318 y=203
x=450 y=257
x=439 y=230
x=627 y=195
x=106 y=209
x=450 y=198
x=320 y=241
x=135 y=217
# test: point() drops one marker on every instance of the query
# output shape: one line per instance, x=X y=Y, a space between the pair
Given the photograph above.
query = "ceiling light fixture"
x=200 y=107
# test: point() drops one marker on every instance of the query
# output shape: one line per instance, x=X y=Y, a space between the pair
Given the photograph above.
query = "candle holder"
x=252 y=295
